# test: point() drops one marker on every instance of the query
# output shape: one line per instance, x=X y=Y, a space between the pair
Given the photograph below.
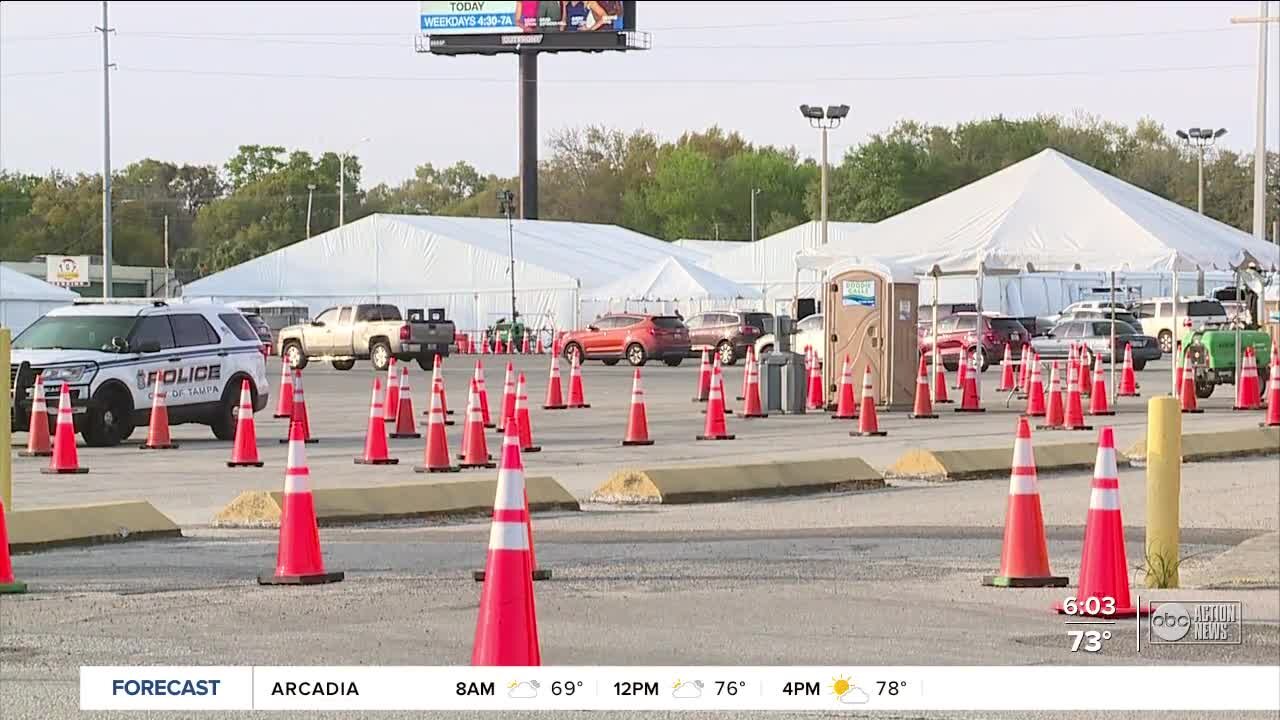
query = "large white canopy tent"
x=23 y=299
x=1052 y=213
x=769 y=264
x=460 y=264
x=703 y=250
x=666 y=286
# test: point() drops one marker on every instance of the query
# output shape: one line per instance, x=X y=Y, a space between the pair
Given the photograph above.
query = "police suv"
x=111 y=353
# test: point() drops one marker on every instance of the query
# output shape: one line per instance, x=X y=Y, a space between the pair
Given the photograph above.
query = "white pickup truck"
x=374 y=332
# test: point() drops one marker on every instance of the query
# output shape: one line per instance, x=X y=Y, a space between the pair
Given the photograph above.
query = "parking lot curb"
x=345 y=506
x=51 y=527
x=715 y=483
x=979 y=463
x=1221 y=445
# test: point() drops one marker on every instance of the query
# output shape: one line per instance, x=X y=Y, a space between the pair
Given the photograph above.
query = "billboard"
x=487 y=17
x=67 y=270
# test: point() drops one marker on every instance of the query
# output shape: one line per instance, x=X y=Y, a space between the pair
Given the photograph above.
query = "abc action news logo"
x=1189 y=622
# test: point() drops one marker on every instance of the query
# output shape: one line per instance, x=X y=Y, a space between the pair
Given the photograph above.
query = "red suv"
x=638 y=338
x=970 y=331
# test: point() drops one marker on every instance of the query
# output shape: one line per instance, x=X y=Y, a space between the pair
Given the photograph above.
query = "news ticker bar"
x=827 y=688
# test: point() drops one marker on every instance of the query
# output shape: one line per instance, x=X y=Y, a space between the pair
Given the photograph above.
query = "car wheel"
x=1139 y=365
x=294 y=356
x=225 y=422
x=110 y=422
x=673 y=361
x=611 y=362
x=380 y=355
x=950 y=365
x=343 y=365
x=572 y=349
x=1204 y=389
x=983 y=362
x=1166 y=341
x=725 y=351
x=636 y=355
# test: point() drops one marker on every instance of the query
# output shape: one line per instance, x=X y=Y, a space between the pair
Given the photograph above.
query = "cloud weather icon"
x=527 y=689
x=854 y=696
x=687 y=689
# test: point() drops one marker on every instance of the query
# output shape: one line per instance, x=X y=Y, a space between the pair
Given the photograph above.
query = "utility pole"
x=754 y=193
x=166 y=255
x=1263 y=21
x=106 y=153
x=342 y=190
x=507 y=205
x=311 y=188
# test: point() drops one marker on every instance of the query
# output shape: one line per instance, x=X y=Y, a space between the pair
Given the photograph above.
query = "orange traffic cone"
x=847 y=407
x=437 y=379
x=1128 y=379
x=298 y=557
x=751 y=403
x=1035 y=392
x=1273 y=391
x=1024 y=559
x=1248 y=393
x=436 y=456
x=8 y=585
x=406 y=422
x=524 y=345
x=1104 y=570
x=1188 y=394
x=962 y=371
x=391 y=403
x=298 y=411
x=38 y=441
x=717 y=376
x=868 y=424
x=437 y=388
x=1177 y=372
x=484 y=343
x=484 y=395
x=555 y=398
x=1074 y=419
x=1098 y=404
x=1006 y=371
x=524 y=426
x=577 y=398
x=158 y=431
x=1055 y=416
x=375 y=438
x=475 y=451
x=244 y=453
x=508 y=398
x=638 y=421
x=507 y=622
x=704 y=378
x=816 y=399
x=284 y=405
x=923 y=409
x=939 y=381
x=1084 y=372
x=715 y=428
x=65 y=461
x=747 y=362
x=971 y=394
x=540 y=348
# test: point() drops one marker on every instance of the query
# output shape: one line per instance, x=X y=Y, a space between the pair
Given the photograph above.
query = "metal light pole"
x=311 y=188
x=1260 y=147
x=342 y=183
x=754 y=193
x=106 y=154
x=1201 y=139
x=824 y=119
x=166 y=255
x=507 y=205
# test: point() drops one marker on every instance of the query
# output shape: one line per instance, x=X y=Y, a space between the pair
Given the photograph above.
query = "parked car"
x=1123 y=316
x=1194 y=313
x=1096 y=335
x=728 y=333
x=637 y=338
x=375 y=332
x=985 y=333
x=1083 y=306
x=808 y=333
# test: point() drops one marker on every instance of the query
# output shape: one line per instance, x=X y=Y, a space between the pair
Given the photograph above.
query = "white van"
x=1156 y=316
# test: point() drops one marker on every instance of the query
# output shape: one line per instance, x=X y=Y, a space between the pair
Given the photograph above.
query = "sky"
x=194 y=80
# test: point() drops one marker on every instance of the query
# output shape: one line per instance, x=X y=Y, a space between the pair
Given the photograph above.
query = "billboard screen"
x=488 y=17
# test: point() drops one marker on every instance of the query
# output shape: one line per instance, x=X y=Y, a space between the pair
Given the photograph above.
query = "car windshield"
x=75 y=332
x=668 y=323
x=1205 y=308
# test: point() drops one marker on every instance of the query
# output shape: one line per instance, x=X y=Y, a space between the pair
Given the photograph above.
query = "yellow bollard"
x=1164 y=486
x=6 y=453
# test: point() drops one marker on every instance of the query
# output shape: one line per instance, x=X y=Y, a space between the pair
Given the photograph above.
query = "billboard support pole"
x=528 y=98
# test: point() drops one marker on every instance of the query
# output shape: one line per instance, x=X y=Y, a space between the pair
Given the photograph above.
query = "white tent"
x=704 y=250
x=460 y=264
x=769 y=264
x=23 y=299
x=668 y=285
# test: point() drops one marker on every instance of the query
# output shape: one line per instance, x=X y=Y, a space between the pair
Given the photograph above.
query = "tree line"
x=696 y=186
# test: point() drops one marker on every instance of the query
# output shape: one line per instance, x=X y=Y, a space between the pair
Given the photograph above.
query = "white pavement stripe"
x=508 y=536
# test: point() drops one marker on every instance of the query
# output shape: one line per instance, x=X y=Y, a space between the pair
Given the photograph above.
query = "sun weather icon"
x=691 y=689
x=846 y=692
x=523 y=689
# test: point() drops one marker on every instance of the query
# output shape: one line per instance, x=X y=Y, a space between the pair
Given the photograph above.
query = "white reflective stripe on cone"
x=1023 y=485
x=1105 y=465
x=508 y=536
x=1104 y=499
x=297 y=480
x=510 y=494
x=1023 y=456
